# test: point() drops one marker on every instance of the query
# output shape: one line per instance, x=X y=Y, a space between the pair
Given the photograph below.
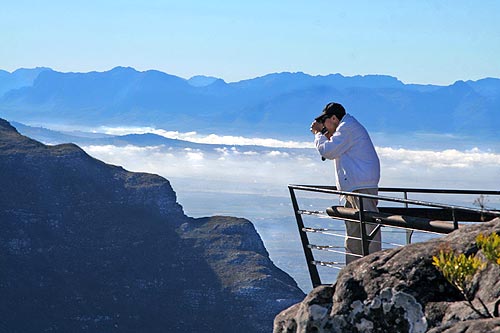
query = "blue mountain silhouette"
x=275 y=104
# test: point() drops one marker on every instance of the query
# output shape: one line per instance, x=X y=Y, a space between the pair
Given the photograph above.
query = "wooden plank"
x=439 y=214
x=401 y=221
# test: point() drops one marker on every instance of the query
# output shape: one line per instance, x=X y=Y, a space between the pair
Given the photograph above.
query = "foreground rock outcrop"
x=400 y=290
x=87 y=246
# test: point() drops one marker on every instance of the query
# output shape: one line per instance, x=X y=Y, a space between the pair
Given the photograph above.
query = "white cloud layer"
x=251 y=182
x=449 y=158
x=267 y=166
x=275 y=168
x=208 y=139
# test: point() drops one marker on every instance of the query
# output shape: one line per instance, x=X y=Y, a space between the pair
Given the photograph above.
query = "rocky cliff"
x=400 y=290
x=87 y=246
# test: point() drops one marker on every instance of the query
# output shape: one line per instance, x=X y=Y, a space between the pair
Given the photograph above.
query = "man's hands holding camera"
x=317 y=127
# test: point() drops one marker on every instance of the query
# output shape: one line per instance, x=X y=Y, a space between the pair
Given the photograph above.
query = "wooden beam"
x=394 y=220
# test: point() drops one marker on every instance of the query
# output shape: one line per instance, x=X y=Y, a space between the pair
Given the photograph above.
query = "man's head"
x=331 y=109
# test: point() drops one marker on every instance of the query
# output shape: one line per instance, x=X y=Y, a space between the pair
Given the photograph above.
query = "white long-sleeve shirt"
x=356 y=162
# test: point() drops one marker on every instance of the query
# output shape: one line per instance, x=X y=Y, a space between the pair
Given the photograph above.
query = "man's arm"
x=333 y=146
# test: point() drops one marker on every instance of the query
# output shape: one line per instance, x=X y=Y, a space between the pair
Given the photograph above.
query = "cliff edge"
x=87 y=246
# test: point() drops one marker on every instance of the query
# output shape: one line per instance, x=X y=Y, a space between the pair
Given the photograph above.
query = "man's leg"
x=355 y=246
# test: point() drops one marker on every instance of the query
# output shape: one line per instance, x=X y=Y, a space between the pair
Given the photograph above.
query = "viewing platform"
x=402 y=220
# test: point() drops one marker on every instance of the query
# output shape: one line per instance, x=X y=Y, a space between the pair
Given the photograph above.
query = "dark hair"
x=334 y=109
x=331 y=109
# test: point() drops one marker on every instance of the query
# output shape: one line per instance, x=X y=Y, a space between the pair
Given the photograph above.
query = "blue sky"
x=416 y=41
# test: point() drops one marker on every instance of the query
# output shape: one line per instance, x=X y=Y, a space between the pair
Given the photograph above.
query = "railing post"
x=362 y=226
x=409 y=233
x=455 y=222
x=313 y=270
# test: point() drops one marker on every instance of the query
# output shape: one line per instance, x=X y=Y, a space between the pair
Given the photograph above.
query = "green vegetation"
x=459 y=269
x=490 y=246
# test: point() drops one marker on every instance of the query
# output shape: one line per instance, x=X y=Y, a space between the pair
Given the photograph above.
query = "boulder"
x=400 y=290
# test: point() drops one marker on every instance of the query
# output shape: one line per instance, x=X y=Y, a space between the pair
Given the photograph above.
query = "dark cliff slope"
x=86 y=246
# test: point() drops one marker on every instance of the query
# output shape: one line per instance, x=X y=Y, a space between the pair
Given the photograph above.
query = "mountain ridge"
x=259 y=106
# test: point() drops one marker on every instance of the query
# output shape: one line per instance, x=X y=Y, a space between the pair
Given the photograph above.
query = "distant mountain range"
x=279 y=104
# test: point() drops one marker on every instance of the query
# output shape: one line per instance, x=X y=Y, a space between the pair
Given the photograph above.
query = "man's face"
x=331 y=123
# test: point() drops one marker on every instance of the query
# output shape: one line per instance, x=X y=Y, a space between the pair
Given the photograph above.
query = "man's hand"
x=316 y=127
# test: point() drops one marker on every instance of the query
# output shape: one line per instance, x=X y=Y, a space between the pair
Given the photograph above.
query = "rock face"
x=400 y=290
x=86 y=246
x=241 y=262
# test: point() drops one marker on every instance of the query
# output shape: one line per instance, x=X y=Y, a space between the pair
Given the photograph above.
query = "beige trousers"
x=353 y=229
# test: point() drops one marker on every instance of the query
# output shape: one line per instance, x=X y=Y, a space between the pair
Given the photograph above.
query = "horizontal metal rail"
x=429 y=217
x=406 y=189
x=333 y=190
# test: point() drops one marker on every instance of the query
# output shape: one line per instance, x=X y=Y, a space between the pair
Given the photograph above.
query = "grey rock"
x=399 y=290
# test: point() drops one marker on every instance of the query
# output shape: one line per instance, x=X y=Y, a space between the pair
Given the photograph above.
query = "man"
x=340 y=137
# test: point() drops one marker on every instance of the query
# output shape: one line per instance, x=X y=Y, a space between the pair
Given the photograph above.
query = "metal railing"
x=415 y=215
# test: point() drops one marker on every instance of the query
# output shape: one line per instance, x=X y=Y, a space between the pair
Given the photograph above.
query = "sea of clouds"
x=249 y=178
x=277 y=163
